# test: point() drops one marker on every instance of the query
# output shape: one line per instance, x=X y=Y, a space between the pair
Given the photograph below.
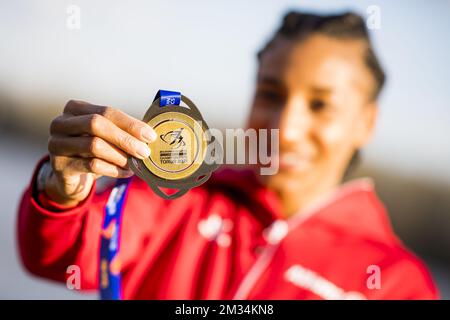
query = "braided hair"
x=348 y=26
x=298 y=26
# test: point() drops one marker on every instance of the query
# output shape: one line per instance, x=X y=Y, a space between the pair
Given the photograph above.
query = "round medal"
x=178 y=156
x=180 y=147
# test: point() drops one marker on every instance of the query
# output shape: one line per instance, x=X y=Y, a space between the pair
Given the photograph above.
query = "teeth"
x=294 y=161
x=291 y=160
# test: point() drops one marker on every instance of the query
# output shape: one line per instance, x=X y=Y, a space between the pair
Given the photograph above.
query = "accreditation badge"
x=182 y=155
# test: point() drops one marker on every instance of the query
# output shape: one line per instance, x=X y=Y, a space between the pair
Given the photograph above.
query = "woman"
x=298 y=234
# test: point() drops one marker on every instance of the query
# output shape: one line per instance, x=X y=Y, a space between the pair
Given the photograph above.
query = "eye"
x=269 y=95
x=318 y=105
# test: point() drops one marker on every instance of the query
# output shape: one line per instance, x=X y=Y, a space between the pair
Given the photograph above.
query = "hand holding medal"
x=181 y=158
x=181 y=155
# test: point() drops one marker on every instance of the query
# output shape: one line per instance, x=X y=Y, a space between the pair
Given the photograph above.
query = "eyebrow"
x=275 y=82
x=322 y=90
x=270 y=80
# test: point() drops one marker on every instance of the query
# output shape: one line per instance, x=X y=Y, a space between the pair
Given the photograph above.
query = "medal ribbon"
x=168 y=98
x=110 y=264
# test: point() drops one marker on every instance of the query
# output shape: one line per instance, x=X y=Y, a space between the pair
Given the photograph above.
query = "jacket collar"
x=353 y=207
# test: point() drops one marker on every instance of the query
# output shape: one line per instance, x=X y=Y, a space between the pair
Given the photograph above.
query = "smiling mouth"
x=294 y=162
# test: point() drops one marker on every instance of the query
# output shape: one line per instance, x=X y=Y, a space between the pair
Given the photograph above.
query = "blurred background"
x=120 y=53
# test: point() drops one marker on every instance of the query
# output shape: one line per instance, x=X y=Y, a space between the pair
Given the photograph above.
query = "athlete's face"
x=317 y=92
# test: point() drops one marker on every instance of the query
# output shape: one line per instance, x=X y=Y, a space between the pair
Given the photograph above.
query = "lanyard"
x=110 y=277
x=110 y=264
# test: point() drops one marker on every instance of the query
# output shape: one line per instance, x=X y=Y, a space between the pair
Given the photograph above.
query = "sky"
x=125 y=51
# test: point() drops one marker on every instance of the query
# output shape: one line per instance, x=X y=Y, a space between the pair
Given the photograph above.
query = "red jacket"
x=227 y=239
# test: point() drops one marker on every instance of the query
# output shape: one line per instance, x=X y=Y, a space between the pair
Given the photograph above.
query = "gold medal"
x=180 y=147
x=178 y=156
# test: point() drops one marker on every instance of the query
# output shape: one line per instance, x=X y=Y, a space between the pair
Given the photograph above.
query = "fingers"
x=87 y=147
x=133 y=126
x=97 y=125
x=88 y=165
x=95 y=139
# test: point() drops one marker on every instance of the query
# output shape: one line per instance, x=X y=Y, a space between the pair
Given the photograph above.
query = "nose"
x=295 y=121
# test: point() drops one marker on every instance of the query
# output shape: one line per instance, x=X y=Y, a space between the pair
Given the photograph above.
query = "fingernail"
x=126 y=172
x=143 y=150
x=148 y=134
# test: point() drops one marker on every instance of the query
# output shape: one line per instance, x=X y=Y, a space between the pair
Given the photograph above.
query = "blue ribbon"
x=110 y=264
x=168 y=98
